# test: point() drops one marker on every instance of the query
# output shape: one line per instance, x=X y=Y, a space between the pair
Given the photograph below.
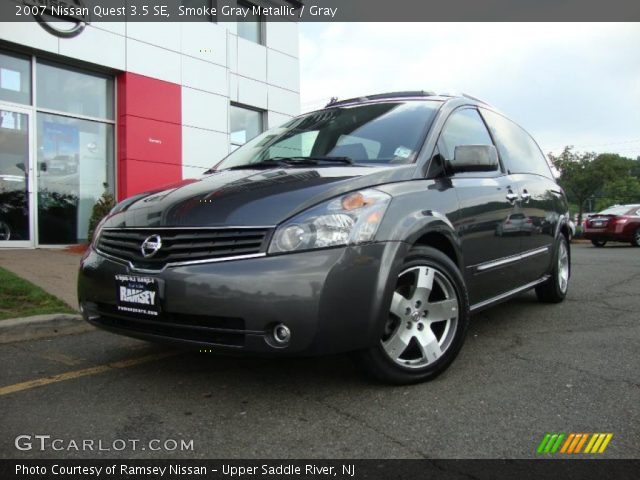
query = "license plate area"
x=137 y=295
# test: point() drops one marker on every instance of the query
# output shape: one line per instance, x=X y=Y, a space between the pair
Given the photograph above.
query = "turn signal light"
x=353 y=201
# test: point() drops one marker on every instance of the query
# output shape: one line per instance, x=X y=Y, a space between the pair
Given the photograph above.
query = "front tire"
x=427 y=321
x=599 y=243
x=555 y=289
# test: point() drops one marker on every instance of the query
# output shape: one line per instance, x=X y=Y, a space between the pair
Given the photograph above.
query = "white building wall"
x=213 y=66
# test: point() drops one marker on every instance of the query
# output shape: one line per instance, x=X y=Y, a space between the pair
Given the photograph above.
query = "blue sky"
x=567 y=84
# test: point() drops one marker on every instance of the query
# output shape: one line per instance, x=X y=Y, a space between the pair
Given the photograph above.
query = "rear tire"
x=635 y=240
x=599 y=243
x=427 y=321
x=555 y=289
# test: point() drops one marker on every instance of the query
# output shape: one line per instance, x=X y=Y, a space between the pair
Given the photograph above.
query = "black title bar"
x=176 y=469
x=321 y=10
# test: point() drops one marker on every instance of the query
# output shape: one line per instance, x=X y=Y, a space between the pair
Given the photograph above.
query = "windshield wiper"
x=292 y=161
x=314 y=160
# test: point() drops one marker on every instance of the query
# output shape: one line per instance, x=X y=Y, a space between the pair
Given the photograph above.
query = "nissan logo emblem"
x=49 y=13
x=151 y=245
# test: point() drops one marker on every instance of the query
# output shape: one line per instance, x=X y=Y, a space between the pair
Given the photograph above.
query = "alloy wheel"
x=423 y=317
x=563 y=267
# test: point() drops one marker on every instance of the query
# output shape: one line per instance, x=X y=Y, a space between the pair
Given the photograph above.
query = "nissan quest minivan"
x=376 y=225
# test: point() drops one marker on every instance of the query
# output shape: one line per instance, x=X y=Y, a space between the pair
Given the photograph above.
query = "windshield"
x=376 y=133
x=615 y=210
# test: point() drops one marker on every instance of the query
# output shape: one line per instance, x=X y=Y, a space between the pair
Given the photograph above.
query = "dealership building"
x=127 y=107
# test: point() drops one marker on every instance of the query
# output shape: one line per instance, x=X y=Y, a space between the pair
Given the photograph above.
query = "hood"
x=249 y=197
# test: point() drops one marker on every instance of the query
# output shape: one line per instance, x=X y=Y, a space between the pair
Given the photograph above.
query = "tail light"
x=620 y=220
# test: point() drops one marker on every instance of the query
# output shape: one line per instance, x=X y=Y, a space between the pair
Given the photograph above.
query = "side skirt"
x=506 y=295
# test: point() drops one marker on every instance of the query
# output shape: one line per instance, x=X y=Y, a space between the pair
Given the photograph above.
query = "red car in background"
x=620 y=223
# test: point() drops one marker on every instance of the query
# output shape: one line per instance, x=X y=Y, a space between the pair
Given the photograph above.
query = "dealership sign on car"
x=64 y=18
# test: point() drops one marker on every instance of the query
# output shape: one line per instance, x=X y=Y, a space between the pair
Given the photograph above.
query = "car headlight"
x=347 y=220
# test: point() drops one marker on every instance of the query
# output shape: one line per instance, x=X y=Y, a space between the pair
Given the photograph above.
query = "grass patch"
x=19 y=298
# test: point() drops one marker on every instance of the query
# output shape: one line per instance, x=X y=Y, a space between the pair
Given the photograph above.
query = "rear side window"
x=463 y=127
x=519 y=152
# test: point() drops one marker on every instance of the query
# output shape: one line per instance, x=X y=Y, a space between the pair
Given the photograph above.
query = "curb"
x=41 y=326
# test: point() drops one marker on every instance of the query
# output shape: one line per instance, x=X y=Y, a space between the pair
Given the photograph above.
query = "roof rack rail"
x=380 y=96
x=471 y=97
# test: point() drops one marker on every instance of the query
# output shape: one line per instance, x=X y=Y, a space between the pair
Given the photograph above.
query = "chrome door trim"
x=515 y=258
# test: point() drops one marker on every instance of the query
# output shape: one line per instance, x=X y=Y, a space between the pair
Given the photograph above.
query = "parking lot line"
x=38 y=382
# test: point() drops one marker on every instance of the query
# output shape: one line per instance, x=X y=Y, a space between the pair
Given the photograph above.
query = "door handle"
x=525 y=196
x=512 y=197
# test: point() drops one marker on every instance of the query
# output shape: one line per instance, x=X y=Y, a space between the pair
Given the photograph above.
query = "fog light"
x=281 y=334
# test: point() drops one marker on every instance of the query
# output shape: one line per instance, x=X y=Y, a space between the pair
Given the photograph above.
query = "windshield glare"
x=376 y=133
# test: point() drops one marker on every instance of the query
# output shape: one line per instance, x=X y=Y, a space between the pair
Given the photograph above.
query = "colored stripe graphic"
x=568 y=442
x=581 y=442
x=598 y=442
x=550 y=443
x=574 y=443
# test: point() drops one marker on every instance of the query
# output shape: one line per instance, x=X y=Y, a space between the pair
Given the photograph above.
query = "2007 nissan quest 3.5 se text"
x=376 y=225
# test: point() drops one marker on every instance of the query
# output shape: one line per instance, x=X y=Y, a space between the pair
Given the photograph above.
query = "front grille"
x=227 y=331
x=182 y=245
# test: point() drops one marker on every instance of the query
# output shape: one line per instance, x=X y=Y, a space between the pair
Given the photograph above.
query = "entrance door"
x=16 y=178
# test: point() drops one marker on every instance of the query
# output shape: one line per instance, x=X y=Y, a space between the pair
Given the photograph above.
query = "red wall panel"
x=151 y=98
x=153 y=141
x=149 y=127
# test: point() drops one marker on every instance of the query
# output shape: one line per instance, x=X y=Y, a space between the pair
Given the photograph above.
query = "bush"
x=100 y=210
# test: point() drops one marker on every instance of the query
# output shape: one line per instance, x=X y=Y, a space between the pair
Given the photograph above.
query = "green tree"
x=622 y=180
x=578 y=176
x=100 y=210
x=612 y=178
x=625 y=189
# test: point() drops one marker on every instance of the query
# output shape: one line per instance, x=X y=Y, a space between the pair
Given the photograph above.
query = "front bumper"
x=332 y=300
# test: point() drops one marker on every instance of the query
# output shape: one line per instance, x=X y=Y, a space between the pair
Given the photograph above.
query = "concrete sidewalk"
x=55 y=271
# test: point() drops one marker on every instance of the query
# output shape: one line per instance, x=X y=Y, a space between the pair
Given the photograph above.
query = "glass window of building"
x=250 y=27
x=75 y=166
x=14 y=165
x=15 y=78
x=68 y=90
x=75 y=158
x=62 y=129
x=246 y=124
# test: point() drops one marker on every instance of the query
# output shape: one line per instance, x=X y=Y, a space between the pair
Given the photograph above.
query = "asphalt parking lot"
x=526 y=369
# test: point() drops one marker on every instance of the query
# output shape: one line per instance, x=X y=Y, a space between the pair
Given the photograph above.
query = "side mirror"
x=474 y=158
